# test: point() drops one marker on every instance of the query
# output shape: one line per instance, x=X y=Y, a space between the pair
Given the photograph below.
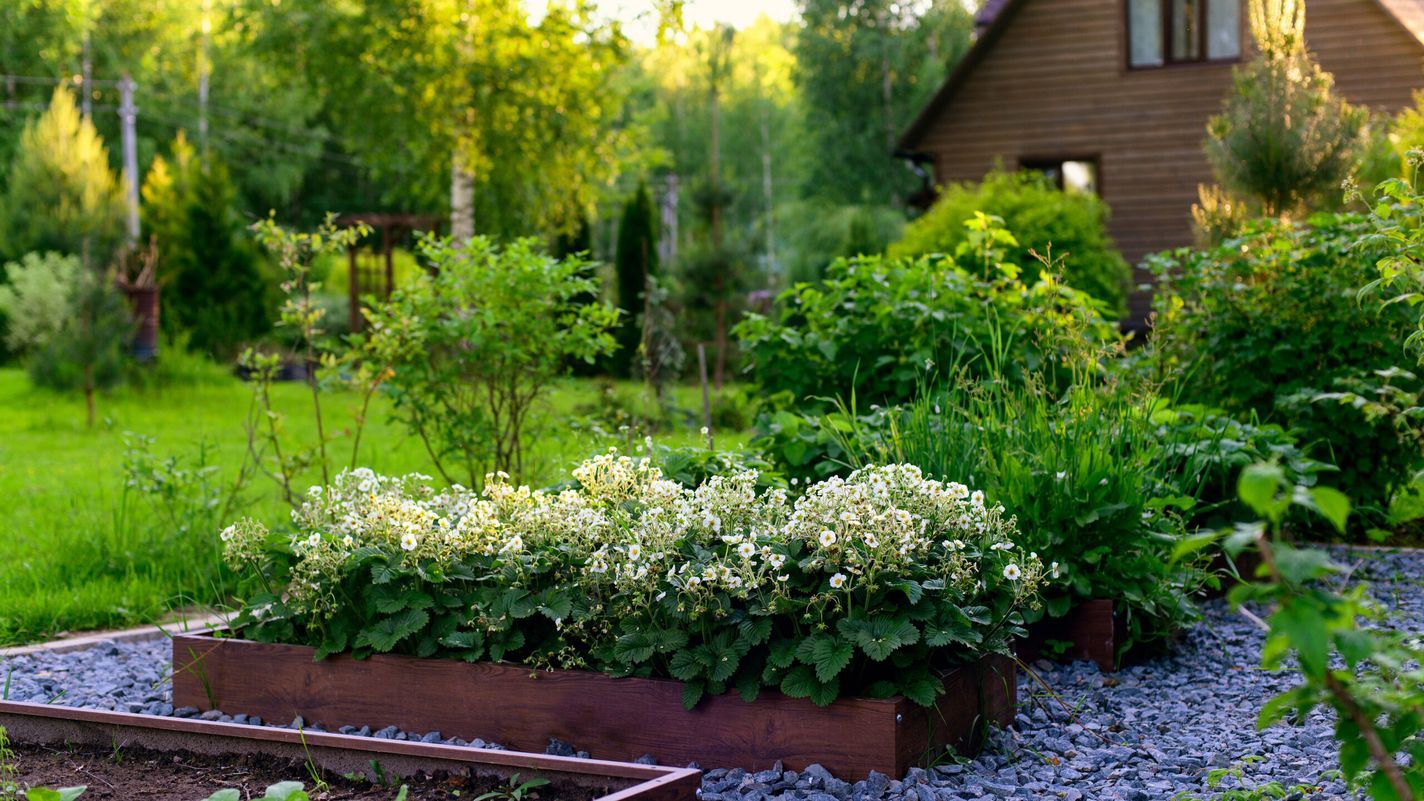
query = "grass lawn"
x=80 y=551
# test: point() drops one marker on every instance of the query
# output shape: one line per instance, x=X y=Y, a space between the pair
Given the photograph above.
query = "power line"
x=43 y=80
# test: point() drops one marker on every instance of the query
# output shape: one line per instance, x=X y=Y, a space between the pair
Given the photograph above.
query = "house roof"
x=996 y=16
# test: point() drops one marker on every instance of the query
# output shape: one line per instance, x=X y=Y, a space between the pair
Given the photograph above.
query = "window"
x=1161 y=32
x=1071 y=175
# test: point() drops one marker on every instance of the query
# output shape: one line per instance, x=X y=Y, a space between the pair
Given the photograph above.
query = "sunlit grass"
x=79 y=552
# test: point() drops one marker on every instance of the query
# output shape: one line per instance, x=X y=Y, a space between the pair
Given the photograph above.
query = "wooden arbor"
x=376 y=273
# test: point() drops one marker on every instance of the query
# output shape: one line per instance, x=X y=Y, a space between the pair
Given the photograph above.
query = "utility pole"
x=86 y=102
x=203 y=82
x=128 y=115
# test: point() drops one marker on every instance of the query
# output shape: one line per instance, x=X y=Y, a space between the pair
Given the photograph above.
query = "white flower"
x=227 y=533
x=409 y=541
x=977 y=499
x=705 y=431
x=746 y=550
x=1061 y=474
x=347 y=541
x=1002 y=546
x=635 y=551
x=514 y=545
x=598 y=566
x=827 y=538
x=314 y=540
x=1053 y=570
x=1012 y=572
x=838 y=581
x=776 y=560
x=784 y=577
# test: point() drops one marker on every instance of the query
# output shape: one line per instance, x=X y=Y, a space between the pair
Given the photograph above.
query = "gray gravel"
x=1150 y=731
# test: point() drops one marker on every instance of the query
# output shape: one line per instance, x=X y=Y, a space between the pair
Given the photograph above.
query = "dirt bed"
x=144 y=775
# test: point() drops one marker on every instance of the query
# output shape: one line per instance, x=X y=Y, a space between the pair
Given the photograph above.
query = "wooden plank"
x=1088 y=626
x=522 y=708
x=40 y=724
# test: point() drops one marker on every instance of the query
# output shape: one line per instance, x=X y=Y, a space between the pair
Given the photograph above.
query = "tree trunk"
x=89 y=394
x=462 y=202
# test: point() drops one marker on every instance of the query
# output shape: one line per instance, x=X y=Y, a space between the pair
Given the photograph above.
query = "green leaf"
x=556 y=604
x=692 y=692
x=388 y=633
x=685 y=666
x=782 y=653
x=282 y=791
x=1333 y=504
x=633 y=648
x=922 y=689
x=827 y=653
x=1257 y=488
x=799 y=682
x=879 y=637
x=225 y=795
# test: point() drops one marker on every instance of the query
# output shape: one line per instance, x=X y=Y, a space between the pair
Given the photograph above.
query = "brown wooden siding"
x=1056 y=82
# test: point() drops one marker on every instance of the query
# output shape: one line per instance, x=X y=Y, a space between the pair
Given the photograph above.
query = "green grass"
x=79 y=551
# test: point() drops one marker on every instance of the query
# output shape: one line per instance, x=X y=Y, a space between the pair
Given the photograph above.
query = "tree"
x=1284 y=137
x=636 y=262
x=864 y=68
x=70 y=322
x=508 y=119
x=216 y=289
x=61 y=194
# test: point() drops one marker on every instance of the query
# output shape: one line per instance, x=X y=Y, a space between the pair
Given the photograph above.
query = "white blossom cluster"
x=627 y=530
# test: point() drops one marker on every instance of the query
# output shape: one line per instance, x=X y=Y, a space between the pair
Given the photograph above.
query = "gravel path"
x=1151 y=731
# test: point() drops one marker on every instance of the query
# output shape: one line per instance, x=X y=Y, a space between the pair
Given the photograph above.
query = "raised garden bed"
x=1086 y=633
x=210 y=751
x=620 y=718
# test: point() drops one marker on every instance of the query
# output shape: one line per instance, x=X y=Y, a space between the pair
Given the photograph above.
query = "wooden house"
x=1113 y=96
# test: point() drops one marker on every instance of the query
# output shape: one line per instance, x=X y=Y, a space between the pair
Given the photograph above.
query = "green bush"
x=1270 y=323
x=1078 y=458
x=70 y=323
x=470 y=353
x=1073 y=225
x=875 y=323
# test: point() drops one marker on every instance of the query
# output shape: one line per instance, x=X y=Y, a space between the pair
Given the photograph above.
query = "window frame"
x=1202 y=38
x=1037 y=162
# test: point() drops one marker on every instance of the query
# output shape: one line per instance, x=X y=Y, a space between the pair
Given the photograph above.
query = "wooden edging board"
x=1089 y=629
x=43 y=724
x=623 y=719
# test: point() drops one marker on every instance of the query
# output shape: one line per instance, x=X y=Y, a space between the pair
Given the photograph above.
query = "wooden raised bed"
x=1088 y=627
x=42 y=724
x=622 y=719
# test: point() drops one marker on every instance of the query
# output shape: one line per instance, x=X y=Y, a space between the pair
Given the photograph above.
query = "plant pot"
x=622 y=719
x=1087 y=631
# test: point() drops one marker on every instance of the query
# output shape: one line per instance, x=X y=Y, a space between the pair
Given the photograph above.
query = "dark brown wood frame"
x=624 y=719
x=1167 y=60
x=1091 y=629
x=44 y=724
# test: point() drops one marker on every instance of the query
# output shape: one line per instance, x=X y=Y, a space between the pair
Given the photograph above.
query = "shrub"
x=60 y=194
x=862 y=586
x=211 y=270
x=1269 y=324
x=1079 y=461
x=811 y=235
x=1072 y=225
x=71 y=323
x=870 y=329
x=470 y=353
x=1284 y=138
